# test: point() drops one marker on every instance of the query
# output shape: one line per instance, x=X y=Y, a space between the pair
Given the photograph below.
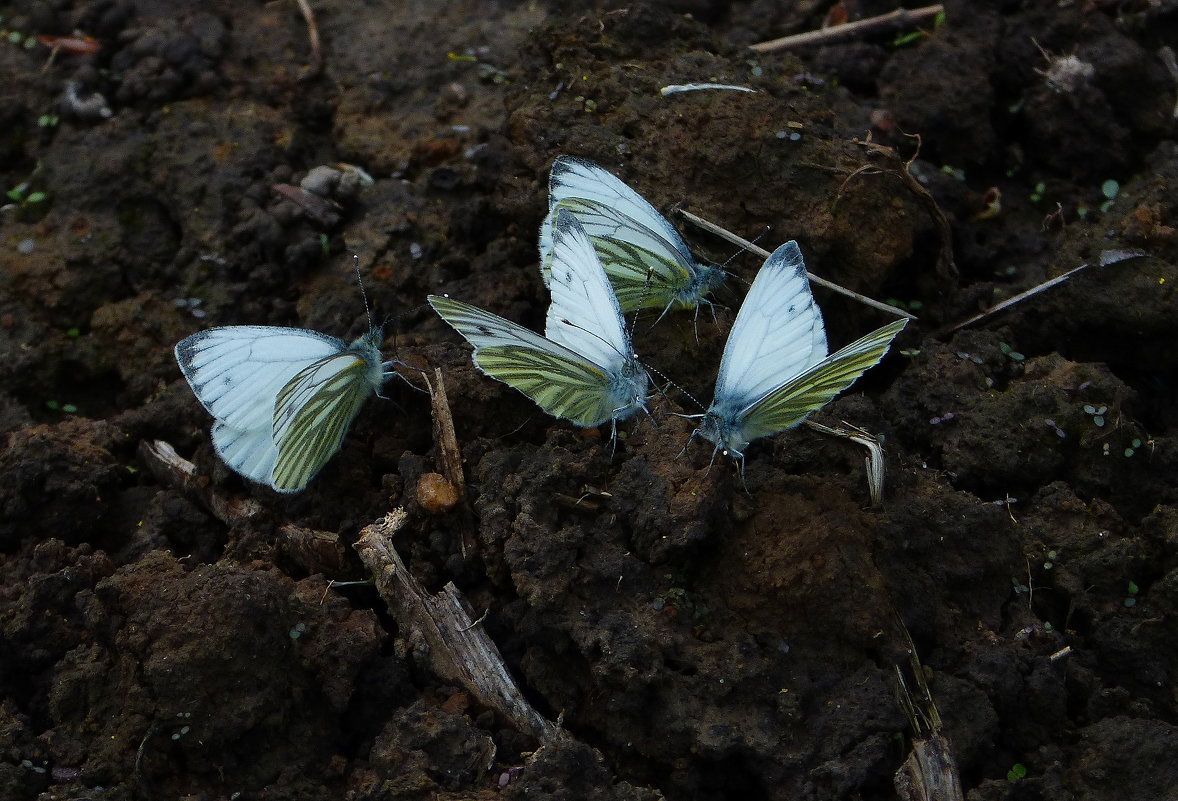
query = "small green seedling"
x=1133 y=446
x=1037 y=195
x=906 y=39
x=1133 y=590
x=1097 y=413
x=953 y=172
x=1017 y=772
x=1059 y=432
x=1013 y=354
x=1110 y=189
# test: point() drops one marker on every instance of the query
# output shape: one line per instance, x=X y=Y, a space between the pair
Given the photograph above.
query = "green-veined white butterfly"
x=646 y=259
x=283 y=398
x=775 y=370
x=583 y=368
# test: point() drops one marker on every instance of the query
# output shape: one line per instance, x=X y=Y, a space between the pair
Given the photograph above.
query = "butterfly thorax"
x=720 y=426
x=629 y=389
x=367 y=348
x=705 y=280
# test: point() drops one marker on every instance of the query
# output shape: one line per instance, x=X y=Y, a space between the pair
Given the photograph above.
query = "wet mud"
x=697 y=636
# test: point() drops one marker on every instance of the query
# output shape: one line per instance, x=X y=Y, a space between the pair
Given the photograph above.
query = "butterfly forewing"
x=583 y=370
x=778 y=332
x=646 y=259
x=249 y=451
x=584 y=315
x=236 y=371
x=794 y=401
x=572 y=177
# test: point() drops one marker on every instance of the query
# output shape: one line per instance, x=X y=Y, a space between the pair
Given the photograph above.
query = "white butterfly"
x=646 y=259
x=283 y=398
x=583 y=369
x=775 y=372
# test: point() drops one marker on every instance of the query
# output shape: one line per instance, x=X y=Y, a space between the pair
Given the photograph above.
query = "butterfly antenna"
x=595 y=335
x=363 y=292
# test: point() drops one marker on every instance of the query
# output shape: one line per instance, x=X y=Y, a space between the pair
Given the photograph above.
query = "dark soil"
x=700 y=641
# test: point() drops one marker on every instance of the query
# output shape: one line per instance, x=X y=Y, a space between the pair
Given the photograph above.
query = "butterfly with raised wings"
x=775 y=370
x=647 y=261
x=282 y=398
x=583 y=368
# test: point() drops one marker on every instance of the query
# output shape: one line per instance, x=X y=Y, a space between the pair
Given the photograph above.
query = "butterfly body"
x=775 y=371
x=282 y=398
x=582 y=369
x=647 y=261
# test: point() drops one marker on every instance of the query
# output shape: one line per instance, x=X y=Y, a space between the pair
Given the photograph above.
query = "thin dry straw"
x=764 y=254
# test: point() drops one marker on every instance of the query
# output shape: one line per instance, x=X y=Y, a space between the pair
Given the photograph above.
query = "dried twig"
x=457 y=650
x=313 y=34
x=900 y=18
x=450 y=456
x=1166 y=54
x=444 y=436
x=172 y=470
x=874 y=461
x=930 y=772
x=316 y=65
x=764 y=254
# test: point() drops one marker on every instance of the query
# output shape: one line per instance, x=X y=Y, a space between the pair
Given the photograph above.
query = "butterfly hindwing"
x=559 y=380
x=791 y=403
x=312 y=414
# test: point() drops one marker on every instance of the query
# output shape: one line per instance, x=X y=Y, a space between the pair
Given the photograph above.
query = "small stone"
x=435 y=494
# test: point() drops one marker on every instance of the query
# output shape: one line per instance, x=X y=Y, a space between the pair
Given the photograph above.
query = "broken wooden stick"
x=173 y=470
x=930 y=771
x=446 y=442
x=900 y=18
x=764 y=254
x=457 y=649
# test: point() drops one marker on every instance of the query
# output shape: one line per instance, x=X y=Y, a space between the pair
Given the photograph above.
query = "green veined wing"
x=794 y=401
x=312 y=414
x=648 y=263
